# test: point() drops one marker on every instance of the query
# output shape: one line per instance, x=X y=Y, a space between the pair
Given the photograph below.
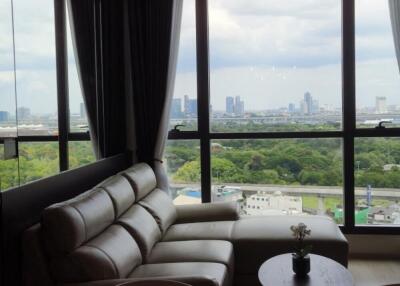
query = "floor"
x=373 y=272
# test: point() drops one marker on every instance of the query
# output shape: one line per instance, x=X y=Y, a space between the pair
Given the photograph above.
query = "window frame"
x=64 y=134
x=348 y=133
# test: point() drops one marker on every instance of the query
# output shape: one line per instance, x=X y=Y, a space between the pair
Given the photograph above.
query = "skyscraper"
x=4 y=116
x=192 y=111
x=82 y=110
x=291 y=108
x=380 y=104
x=230 y=105
x=186 y=104
x=307 y=103
x=176 y=108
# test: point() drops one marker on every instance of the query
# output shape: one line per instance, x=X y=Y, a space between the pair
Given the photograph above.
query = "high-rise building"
x=291 y=108
x=82 y=110
x=23 y=113
x=4 y=116
x=237 y=105
x=314 y=106
x=230 y=105
x=380 y=104
x=176 y=108
x=307 y=103
x=186 y=104
x=192 y=107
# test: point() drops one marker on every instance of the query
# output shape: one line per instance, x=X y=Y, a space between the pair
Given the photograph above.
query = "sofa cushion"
x=112 y=254
x=142 y=179
x=218 y=251
x=69 y=224
x=142 y=226
x=161 y=207
x=257 y=239
x=120 y=191
x=185 y=272
x=214 y=230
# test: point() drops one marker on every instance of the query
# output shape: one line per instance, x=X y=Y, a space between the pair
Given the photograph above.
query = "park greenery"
x=38 y=160
x=315 y=161
x=308 y=162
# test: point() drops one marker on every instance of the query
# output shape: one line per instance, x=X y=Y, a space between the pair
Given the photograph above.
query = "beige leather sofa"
x=125 y=229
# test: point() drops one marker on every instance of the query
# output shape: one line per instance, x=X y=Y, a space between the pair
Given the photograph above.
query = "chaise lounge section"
x=125 y=229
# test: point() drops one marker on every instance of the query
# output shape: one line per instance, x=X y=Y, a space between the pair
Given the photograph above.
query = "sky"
x=35 y=58
x=270 y=52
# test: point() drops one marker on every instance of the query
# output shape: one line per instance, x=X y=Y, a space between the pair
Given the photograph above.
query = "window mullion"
x=203 y=95
x=349 y=110
x=62 y=81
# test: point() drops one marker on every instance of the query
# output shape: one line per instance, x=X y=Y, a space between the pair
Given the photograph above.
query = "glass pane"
x=184 y=103
x=377 y=69
x=77 y=109
x=80 y=153
x=8 y=123
x=377 y=180
x=7 y=93
x=279 y=176
x=36 y=67
x=275 y=65
x=8 y=171
x=37 y=160
x=182 y=158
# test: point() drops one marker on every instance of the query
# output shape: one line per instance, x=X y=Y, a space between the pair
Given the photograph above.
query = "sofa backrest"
x=142 y=179
x=161 y=207
x=121 y=193
x=155 y=201
x=108 y=231
x=142 y=226
x=70 y=224
x=84 y=244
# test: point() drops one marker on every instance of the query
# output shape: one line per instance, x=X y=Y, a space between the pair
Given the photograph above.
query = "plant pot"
x=300 y=265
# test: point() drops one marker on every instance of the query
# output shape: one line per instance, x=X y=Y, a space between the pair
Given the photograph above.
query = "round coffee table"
x=277 y=271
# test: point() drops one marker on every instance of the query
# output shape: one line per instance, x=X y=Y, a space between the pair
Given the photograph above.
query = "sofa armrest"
x=221 y=211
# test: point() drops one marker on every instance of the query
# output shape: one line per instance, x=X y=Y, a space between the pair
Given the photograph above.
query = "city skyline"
x=254 y=51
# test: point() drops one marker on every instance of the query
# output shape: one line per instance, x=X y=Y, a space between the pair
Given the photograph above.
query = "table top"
x=277 y=271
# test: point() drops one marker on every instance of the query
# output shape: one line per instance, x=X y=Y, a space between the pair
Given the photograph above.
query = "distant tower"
x=176 y=109
x=380 y=105
x=238 y=107
x=4 y=116
x=307 y=103
x=192 y=111
x=230 y=105
x=186 y=104
x=291 y=108
x=315 y=106
x=82 y=110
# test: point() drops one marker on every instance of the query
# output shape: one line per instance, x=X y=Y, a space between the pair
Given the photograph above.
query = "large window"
x=275 y=65
x=289 y=97
x=184 y=104
x=36 y=127
x=35 y=67
x=378 y=80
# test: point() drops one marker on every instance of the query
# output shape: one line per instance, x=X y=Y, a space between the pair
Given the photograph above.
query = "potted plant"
x=300 y=257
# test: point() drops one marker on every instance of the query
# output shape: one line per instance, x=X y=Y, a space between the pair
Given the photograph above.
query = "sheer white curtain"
x=159 y=167
x=394 y=7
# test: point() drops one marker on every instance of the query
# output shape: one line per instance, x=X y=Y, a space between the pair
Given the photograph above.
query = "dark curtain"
x=97 y=36
x=150 y=37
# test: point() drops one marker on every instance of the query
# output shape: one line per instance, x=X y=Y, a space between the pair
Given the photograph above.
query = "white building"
x=264 y=203
x=380 y=105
